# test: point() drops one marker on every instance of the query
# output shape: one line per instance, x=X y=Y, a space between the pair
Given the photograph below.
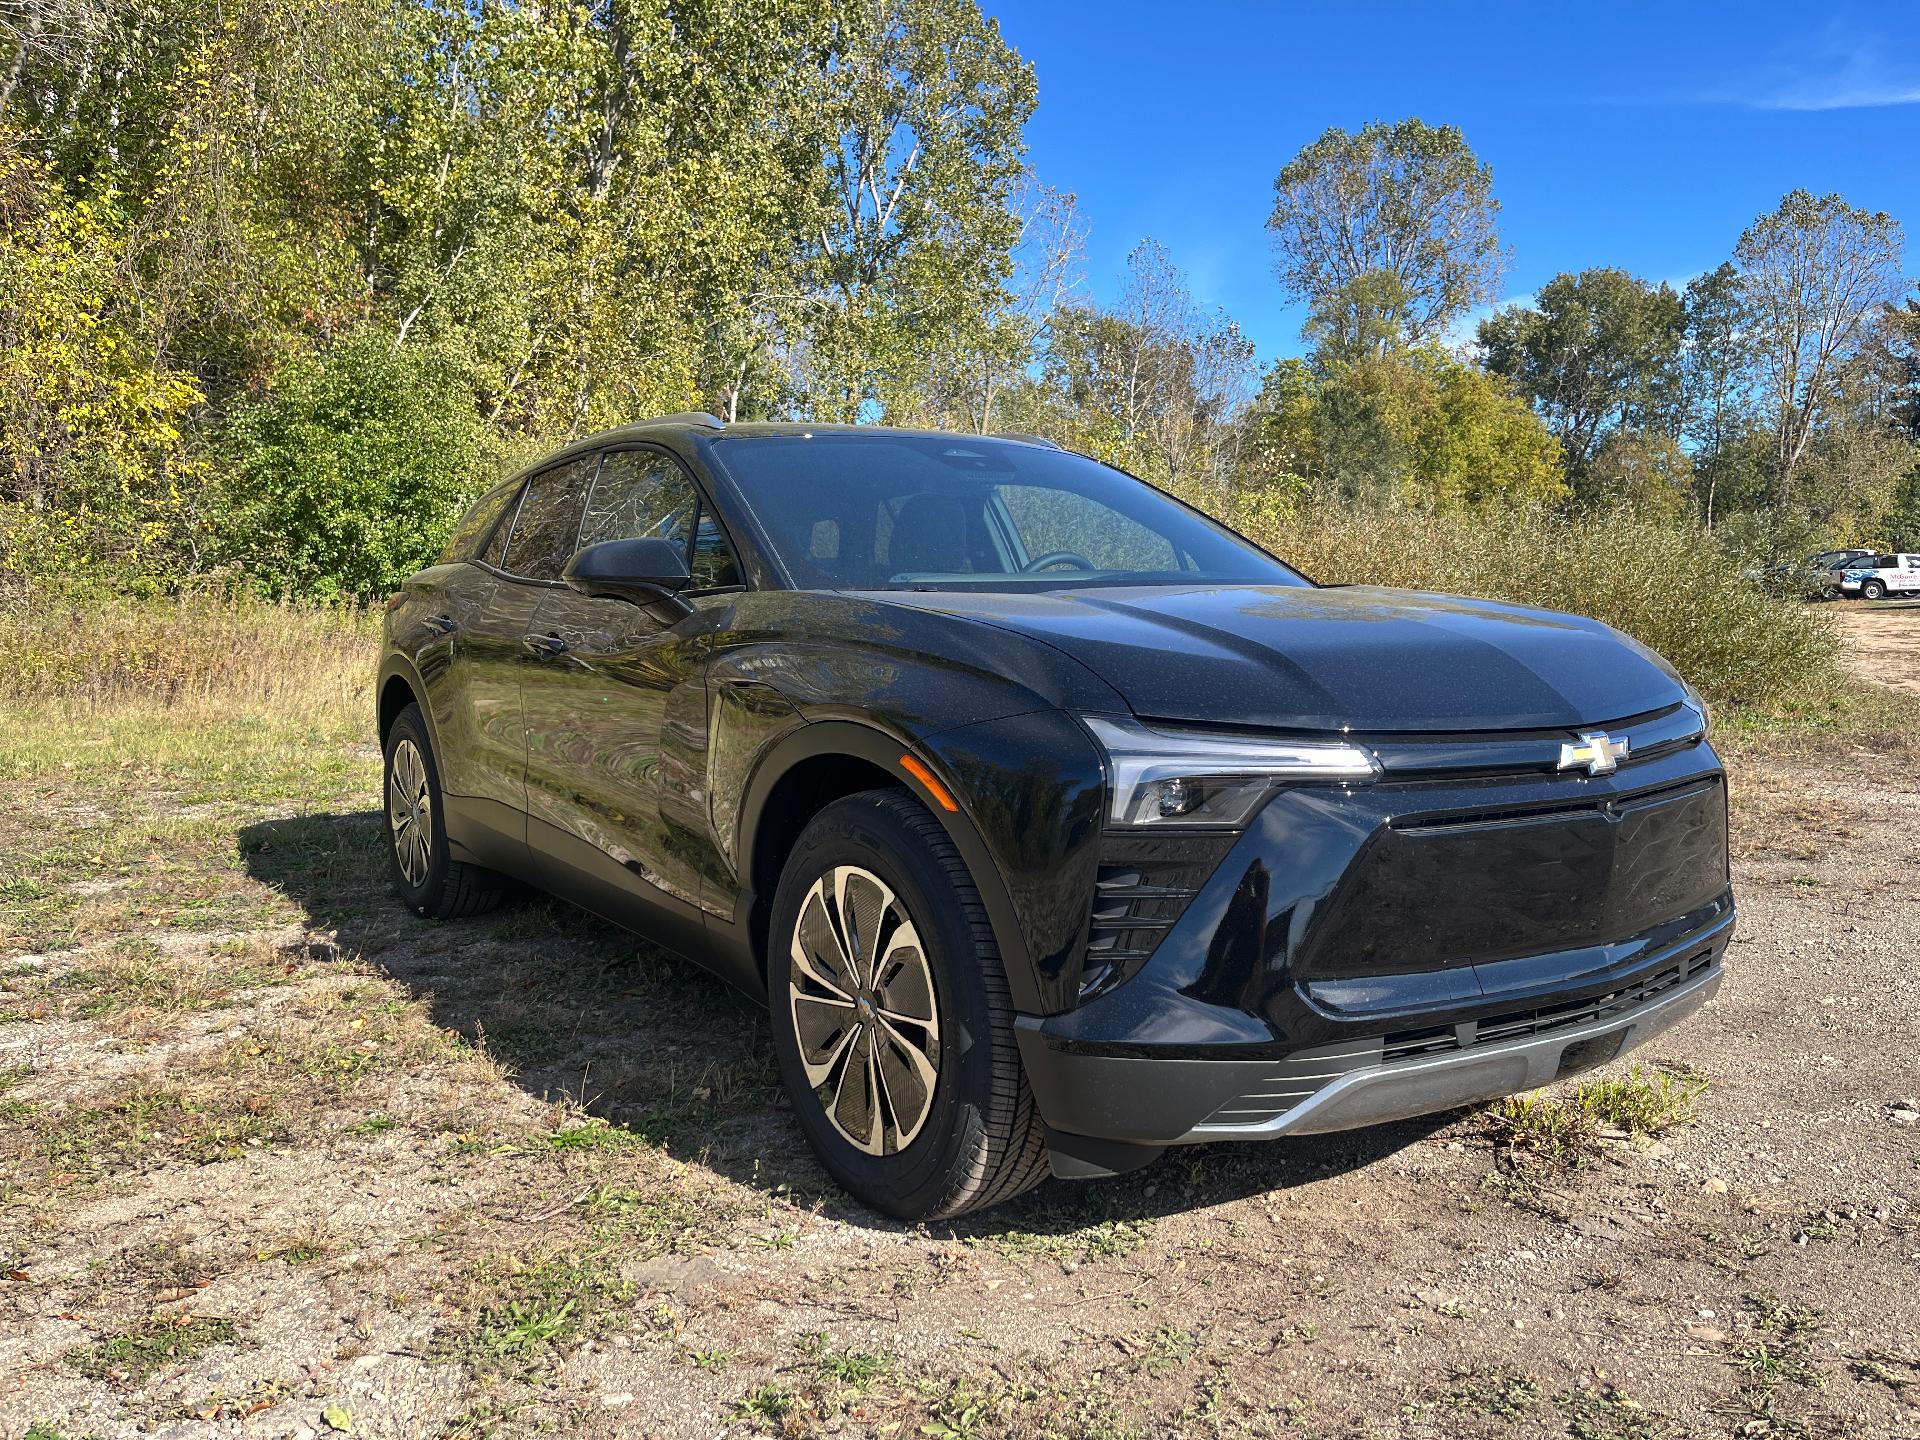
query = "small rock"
x=1904 y=1113
x=1714 y=1185
x=615 y=1401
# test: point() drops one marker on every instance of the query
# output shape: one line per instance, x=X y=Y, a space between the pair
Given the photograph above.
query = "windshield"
x=947 y=512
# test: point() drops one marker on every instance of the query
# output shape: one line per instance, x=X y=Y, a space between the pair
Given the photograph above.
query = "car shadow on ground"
x=580 y=1010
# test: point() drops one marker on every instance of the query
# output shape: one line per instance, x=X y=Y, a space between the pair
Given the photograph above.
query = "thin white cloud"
x=1841 y=69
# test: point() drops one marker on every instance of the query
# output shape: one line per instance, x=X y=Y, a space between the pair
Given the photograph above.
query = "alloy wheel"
x=864 y=1011
x=410 y=812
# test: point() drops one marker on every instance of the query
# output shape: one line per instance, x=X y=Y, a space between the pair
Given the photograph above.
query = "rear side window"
x=477 y=525
x=548 y=523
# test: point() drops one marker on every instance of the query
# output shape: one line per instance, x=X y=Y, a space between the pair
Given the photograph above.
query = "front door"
x=616 y=717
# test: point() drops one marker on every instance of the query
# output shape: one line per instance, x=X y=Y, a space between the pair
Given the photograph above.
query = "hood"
x=1361 y=658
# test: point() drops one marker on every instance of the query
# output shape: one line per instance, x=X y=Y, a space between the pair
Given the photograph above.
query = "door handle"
x=551 y=643
x=445 y=624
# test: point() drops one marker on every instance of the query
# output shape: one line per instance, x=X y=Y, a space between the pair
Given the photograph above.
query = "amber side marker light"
x=926 y=777
x=394 y=599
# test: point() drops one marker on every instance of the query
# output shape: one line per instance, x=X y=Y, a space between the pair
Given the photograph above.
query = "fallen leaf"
x=338 y=1417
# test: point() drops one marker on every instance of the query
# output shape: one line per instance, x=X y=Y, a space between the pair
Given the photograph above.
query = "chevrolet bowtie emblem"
x=1599 y=752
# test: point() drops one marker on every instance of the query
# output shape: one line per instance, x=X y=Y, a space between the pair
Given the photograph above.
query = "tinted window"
x=872 y=511
x=548 y=521
x=477 y=525
x=641 y=493
x=713 y=563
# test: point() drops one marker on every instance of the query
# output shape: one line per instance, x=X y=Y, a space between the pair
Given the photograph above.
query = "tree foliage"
x=1399 y=219
x=1596 y=352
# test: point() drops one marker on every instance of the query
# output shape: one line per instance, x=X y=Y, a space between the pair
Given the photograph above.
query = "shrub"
x=1668 y=585
x=348 y=477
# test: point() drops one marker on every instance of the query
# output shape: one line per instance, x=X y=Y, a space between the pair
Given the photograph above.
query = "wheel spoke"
x=854 y=1110
x=817 y=949
x=907 y=1079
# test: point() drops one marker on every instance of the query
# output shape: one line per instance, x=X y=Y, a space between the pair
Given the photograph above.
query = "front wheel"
x=891 y=1017
x=430 y=880
x=1874 y=590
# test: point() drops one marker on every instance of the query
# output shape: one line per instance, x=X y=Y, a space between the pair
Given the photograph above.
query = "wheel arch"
x=401 y=686
x=814 y=765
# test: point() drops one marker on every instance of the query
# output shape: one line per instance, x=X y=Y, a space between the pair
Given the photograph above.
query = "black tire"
x=1873 y=590
x=980 y=1141
x=440 y=887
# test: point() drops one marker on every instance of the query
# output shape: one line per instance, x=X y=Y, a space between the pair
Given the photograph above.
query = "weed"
x=593 y=1134
x=767 y=1406
x=1563 y=1129
x=1604 y=1414
x=536 y=1304
x=150 y=1346
x=1643 y=1102
x=1170 y=1348
x=1507 y=1394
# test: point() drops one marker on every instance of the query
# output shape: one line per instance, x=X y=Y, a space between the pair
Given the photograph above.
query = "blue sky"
x=1645 y=137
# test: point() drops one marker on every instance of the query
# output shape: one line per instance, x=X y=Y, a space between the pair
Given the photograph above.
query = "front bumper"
x=1359 y=956
x=1156 y=1102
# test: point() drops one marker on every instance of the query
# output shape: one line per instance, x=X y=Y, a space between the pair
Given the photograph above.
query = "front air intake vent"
x=1141 y=889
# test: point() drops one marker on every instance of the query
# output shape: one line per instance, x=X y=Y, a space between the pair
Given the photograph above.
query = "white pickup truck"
x=1874 y=577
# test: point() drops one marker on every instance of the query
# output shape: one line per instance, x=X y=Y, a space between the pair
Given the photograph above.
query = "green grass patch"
x=149 y=1346
x=1564 y=1128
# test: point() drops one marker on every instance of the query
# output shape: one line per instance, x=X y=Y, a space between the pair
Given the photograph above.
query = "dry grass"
x=195 y=656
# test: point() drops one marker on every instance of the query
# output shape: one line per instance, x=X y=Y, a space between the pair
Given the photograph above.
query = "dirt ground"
x=1882 y=640
x=277 y=1159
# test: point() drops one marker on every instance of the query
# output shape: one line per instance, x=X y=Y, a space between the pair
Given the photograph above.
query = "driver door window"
x=642 y=494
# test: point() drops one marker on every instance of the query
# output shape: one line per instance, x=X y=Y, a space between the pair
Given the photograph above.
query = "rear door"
x=616 y=715
x=522 y=565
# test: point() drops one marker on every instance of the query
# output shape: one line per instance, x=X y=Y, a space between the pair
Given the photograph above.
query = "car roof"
x=695 y=422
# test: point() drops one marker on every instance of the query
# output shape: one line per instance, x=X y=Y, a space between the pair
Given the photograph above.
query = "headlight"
x=1171 y=777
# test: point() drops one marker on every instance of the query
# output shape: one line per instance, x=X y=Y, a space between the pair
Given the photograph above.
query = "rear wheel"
x=428 y=878
x=891 y=1017
x=1874 y=590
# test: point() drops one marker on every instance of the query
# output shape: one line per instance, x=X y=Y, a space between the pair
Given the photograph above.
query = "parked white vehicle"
x=1874 y=577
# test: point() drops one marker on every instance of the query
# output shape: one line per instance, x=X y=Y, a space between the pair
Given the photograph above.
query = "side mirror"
x=649 y=573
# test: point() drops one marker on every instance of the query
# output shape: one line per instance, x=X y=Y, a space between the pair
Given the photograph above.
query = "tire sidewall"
x=423 y=899
x=866 y=831
x=1873 y=590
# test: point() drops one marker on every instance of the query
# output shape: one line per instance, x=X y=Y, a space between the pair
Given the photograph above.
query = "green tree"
x=1409 y=202
x=1716 y=385
x=1597 y=351
x=349 y=475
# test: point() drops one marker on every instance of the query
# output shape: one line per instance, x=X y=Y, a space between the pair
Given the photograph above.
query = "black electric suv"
x=1055 y=823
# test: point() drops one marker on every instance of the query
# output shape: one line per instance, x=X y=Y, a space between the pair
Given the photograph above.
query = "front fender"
x=1029 y=794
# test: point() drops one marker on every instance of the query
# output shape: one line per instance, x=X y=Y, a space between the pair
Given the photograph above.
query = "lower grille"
x=1521 y=1024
